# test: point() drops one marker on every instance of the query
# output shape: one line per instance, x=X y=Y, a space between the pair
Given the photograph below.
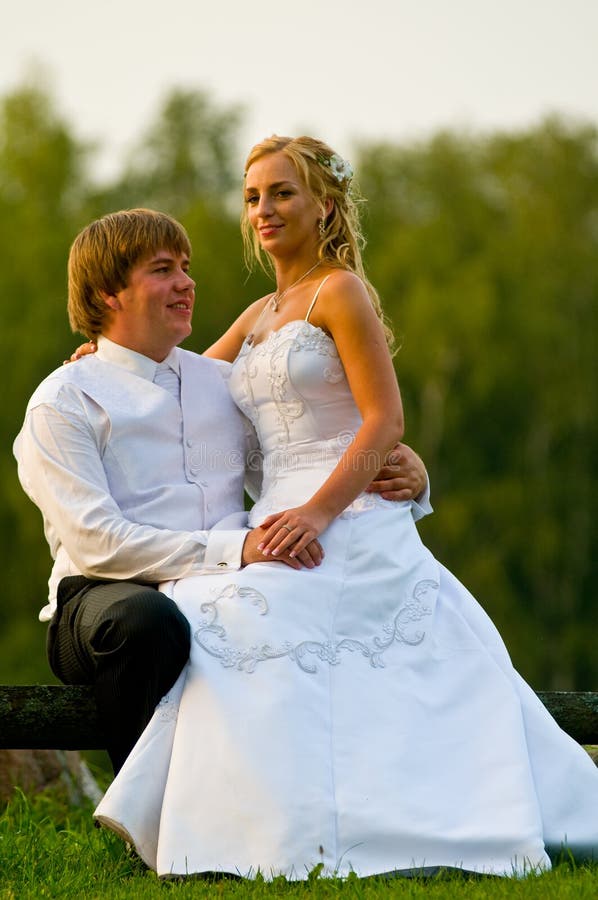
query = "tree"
x=42 y=184
x=189 y=152
x=485 y=249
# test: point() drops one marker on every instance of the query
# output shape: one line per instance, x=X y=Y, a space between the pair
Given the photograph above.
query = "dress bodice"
x=293 y=388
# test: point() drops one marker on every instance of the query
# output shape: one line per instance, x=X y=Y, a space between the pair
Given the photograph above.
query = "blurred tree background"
x=485 y=251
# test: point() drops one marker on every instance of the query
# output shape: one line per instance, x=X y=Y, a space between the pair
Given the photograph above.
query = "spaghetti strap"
x=313 y=302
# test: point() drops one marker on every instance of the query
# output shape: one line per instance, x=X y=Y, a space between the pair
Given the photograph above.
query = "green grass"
x=48 y=849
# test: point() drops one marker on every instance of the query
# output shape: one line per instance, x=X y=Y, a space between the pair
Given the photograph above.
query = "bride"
x=365 y=715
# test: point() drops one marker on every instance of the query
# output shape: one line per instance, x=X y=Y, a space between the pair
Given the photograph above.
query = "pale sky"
x=342 y=71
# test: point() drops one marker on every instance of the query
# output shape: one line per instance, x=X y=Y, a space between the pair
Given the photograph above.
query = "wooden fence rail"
x=63 y=717
x=49 y=717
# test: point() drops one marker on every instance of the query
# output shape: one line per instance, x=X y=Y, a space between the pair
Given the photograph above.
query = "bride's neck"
x=287 y=272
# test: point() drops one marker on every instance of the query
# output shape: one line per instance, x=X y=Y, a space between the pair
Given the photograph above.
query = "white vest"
x=154 y=479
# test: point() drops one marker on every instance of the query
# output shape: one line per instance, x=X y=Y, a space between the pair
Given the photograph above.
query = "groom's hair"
x=103 y=254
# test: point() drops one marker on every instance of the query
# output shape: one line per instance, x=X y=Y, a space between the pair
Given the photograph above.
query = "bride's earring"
x=322 y=227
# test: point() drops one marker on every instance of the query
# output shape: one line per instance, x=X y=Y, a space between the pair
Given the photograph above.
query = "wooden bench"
x=60 y=717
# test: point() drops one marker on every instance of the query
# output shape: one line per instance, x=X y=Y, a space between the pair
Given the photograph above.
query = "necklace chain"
x=278 y=295
x=274 y=301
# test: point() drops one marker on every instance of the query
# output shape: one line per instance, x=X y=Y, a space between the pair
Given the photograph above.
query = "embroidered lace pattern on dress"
x=310 y=337
x=167 y=709
x=212 y=637
x=275 y=349
x=362 y=503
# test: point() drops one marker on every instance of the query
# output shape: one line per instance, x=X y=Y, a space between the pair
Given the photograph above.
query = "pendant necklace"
x=274 y=301
x=278 y=295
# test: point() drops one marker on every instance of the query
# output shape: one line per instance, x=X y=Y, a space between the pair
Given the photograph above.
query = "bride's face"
x=280 y=209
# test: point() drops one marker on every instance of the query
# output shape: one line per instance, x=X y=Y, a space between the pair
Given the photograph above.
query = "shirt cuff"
x=422 y=506
x=224 y=550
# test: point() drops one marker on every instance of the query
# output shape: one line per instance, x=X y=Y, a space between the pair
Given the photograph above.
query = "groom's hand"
x=310 y=557
x=403 y=477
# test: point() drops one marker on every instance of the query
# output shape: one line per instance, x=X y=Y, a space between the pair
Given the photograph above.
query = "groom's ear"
x=111 y=300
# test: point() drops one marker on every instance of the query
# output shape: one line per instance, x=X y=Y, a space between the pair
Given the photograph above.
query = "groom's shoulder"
x=89 y=376
x=215 y=368
x=70 y=377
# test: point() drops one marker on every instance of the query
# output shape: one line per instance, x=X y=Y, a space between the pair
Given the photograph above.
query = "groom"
x=136 y=458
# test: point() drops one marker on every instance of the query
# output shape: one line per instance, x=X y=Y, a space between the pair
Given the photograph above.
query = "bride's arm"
x=227 y=347
x=345 y=311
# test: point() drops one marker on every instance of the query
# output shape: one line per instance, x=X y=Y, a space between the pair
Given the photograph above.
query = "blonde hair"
x=103 y=254
x=342 y=240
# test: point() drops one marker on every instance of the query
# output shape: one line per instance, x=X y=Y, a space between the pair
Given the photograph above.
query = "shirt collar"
x=132 y=361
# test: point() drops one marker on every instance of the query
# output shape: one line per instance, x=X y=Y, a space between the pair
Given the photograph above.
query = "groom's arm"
x=59 y=453
x=60 y=467
x=254 y=461
x=404 y=478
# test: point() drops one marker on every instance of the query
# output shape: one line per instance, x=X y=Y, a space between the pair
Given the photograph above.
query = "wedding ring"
x=287 y=528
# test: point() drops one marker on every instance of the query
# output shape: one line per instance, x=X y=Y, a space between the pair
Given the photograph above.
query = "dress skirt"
x=364 y=715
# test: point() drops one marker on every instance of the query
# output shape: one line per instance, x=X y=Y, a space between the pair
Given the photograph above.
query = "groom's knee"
x=145 y=623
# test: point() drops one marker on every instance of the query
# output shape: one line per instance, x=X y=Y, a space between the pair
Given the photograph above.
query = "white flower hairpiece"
x=340 y=168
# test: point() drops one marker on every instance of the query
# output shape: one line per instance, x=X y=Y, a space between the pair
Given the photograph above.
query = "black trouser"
x=129 y=641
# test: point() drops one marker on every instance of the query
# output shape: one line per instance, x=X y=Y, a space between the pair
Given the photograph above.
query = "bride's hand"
x=83 y=350
x=292 y=528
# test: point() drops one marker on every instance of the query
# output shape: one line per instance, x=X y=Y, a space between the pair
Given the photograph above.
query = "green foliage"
x=485 y=252
x=41 y=186
x=188 y=153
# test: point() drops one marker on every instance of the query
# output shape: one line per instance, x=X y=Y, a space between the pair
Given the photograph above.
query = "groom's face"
x=152 y=314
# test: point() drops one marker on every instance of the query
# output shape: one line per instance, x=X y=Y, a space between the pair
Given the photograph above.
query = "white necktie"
x=167 y=378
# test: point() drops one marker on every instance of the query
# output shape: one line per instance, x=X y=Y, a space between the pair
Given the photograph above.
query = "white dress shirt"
x=132 y=484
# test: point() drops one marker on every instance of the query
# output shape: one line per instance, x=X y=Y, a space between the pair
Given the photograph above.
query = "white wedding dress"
x=364 y=715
